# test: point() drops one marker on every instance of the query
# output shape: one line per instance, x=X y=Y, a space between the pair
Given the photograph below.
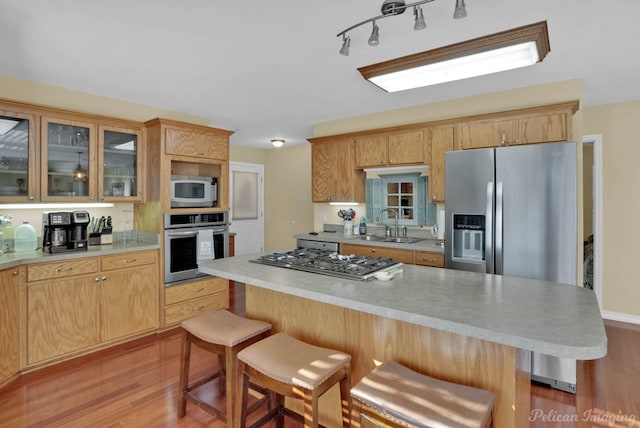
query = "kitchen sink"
x=376 y=238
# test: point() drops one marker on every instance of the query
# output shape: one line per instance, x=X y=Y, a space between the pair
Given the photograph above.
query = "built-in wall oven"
x=192 y=238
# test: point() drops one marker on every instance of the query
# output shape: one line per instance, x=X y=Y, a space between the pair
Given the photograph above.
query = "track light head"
x=460 y=10
x=346 y=42
x=419 y=23
x=374 y=39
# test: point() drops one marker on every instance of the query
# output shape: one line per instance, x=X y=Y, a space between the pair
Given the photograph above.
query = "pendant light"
x=80 y=174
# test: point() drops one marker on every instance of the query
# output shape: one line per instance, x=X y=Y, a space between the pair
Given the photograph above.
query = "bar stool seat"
x=225 y=334
x=393 y=395
x=295 y=369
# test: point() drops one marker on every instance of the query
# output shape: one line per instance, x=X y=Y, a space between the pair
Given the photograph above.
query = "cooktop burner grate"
x=329 y=263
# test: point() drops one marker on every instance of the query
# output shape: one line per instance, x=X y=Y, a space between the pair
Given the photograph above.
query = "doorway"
x=246 y=211
x=592 y=213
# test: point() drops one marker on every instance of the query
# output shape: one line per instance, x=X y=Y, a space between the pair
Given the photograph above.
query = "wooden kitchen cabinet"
x=426 y=258
x=9 y=323
x=397 y=148
x=195 y=297
x=53 y=142
x=80 y=304
x=180 y=148
x=404 y=256
x=198 y=144
x=333 y=172
x=441 y=141
x=111 y=155
x=530 y=126
x=18 y=156
x=129 y=299
x=63 y=316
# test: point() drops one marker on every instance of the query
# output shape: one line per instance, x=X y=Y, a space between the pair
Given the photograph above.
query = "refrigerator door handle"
x=498 y=233
x=488 y=236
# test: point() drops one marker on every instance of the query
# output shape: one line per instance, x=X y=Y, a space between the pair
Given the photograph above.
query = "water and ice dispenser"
x=468 y=238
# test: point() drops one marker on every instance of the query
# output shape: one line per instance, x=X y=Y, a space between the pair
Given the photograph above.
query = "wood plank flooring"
x=135 y=385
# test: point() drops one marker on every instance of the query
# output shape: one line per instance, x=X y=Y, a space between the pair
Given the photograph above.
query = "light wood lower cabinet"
x=423 y=258
x=192 y=298
x=83 y=303
x=62 y=316
x=129 y=300
x=426 y=258
x=9 y=323
x=404 y=256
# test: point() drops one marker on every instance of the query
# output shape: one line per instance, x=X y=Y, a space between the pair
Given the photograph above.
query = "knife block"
x=95 y=239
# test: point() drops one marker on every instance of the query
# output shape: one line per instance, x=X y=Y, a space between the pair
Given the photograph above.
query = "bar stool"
x=225 y=334
x=394 y=396
x=295 y=369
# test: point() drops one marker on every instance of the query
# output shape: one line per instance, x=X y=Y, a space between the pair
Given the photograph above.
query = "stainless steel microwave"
x=188 y=191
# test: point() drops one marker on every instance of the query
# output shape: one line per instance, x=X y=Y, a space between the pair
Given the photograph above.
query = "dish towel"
x=205 y=246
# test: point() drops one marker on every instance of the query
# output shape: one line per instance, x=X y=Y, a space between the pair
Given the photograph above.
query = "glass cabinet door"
x=17 y=156
x=67 y=152
x=121 y=164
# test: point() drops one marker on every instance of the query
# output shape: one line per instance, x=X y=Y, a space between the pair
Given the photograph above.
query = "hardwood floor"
x=135 y=385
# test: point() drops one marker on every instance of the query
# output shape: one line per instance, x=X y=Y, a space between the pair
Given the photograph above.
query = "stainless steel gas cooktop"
x=329 y=263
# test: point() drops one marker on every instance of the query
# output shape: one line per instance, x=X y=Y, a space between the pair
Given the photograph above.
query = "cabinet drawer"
x=191 y=290
x=181 y=311
x=190 y=143
x=403 y=256
x=425 y=258
x=127 y=260
x=61 y=269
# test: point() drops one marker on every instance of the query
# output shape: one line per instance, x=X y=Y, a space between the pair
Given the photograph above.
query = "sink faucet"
x=395 y=213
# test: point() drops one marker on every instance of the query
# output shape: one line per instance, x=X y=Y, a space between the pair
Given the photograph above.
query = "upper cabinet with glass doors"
x=18 y=160
x=90 y=162
x=120 y=163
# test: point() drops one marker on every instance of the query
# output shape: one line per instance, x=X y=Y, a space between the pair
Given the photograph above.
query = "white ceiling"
x=271 y=68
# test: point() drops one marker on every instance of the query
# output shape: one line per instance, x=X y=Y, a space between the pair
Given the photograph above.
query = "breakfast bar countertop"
x=555 y=319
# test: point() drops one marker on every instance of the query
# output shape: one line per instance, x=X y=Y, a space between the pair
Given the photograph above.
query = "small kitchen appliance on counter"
x=330 y=263
x=64 y=231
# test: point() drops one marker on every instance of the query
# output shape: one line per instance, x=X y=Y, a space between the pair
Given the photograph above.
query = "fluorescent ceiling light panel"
x=498 y=52
x=7 y=125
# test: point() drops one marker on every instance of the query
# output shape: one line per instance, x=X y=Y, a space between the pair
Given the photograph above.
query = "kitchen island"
x=465 y=327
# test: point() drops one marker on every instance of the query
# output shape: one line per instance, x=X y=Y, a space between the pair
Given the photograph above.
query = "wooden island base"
x=369 y=338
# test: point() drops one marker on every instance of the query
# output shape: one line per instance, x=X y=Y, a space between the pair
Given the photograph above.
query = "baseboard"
x=618 y=316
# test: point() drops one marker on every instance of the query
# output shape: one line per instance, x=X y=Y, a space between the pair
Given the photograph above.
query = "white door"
x=247 y=207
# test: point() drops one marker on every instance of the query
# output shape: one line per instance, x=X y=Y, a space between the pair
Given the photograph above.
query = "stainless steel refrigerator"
x=513 y=211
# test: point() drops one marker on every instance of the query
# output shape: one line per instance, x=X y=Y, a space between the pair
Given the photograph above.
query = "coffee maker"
x=65 y=231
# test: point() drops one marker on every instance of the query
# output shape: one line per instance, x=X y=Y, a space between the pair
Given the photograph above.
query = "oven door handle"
x=187 y=233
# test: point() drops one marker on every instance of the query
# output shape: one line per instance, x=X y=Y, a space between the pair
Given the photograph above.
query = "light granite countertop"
x=12 y=259
x=555 y=319
x=431 y=245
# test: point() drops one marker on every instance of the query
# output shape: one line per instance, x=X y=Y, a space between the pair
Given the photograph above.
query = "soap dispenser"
x=362 y=229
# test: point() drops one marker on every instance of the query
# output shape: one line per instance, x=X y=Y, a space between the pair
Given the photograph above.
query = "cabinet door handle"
x=197 y=290
x=373 y=250
x=129 y=261
x=198 y=154
x=15 y=273
x=104 y=278
x=31 y=197
x=390 y=161
x=197 y=308
x=97 y=279
x=60 y=269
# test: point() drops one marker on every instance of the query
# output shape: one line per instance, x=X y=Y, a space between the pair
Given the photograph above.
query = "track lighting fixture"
x=396 y=7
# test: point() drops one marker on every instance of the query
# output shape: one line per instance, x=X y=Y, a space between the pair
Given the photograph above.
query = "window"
x=405 y=194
